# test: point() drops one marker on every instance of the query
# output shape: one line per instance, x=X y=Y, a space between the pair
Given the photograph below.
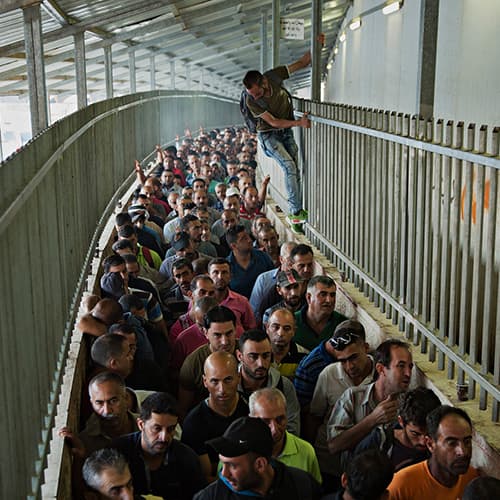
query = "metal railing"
x=408 y=210
x=56 y=195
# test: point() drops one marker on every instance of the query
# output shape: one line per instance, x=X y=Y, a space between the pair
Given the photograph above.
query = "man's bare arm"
x=284 y=123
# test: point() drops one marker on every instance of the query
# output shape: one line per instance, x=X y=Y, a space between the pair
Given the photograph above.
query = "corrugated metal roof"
x=217 y=38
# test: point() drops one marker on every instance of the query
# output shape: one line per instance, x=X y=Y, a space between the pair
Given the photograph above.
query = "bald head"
x=108 y=311
x=221 y=378
x=220 y=360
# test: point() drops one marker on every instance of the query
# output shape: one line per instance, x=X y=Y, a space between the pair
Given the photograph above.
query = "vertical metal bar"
x=490 y=363
x=377 y=200
x=33 y=43
x=263 y=41
x=464 y=323
x=172 y=74
x=132 y=71
x=276 y=33
x=477 y=297
x=80 y=70
x=108 y=71
x=455 y=260
x=316 y=22
x=188 y=77
x=152 y=72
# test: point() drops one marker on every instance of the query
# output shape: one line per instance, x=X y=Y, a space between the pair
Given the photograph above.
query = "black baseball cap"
x=244 y=435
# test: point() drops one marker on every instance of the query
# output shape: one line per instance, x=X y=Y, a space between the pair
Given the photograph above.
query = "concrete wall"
x=378 y=65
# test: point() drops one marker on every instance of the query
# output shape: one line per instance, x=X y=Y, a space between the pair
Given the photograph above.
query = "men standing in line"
x=447 y=472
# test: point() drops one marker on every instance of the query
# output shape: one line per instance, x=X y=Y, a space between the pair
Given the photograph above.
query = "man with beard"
x=317 y=319
x=160 y=465
x=286 y=355
x=249 y=471
x=360 y=409
x=447 y=472
x=219 y=327
x=255 y=355
x=291 y=288
x=212 y=417
x=110 y=418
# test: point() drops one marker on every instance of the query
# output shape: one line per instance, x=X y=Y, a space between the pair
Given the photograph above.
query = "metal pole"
x=276 y=33
x=316 y=50
x=35 y=68
x=172 y=74
x=132 y=72
x=80 y=70
x=108 y=71
x=202 y=78
x=188 y=77
x=263 y=41
x=152 y=72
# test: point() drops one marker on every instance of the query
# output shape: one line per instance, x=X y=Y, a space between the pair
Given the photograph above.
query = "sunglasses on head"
x=342 y=341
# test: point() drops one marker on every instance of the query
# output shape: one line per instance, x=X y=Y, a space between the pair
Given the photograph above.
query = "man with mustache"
x=360 y=409
x=110 y=418
x=447 y=472
x=317 y=319
x=160 y=465
x=255 y=355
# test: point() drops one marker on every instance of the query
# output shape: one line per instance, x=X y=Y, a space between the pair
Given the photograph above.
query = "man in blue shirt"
x=246 y=262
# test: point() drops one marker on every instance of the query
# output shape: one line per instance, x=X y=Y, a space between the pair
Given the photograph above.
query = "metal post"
x=427 y=57
x=152 y=72
x=35 y=67
x=80 y=70
x=132 y=72
x=276 y=33
x=316 y=49
x=188 y=77
x=172 y=74
x=108 y=71
x=202 y=78
x=263 y=41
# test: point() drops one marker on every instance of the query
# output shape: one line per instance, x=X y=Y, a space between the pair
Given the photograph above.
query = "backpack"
x=250 y=120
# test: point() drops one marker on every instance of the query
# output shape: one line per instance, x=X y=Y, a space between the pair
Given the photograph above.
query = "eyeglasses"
x=342 y=341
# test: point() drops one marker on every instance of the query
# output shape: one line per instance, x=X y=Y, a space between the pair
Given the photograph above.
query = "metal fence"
x=56 y=194
x=408 y=210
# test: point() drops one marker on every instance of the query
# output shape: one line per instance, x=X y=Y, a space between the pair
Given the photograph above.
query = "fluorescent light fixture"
x=355 y=24
x=329 y=65
x=336 y=50
x=392 y=7
x=342 y=37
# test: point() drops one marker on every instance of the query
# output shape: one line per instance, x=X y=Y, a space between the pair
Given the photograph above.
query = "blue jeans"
x=281 y=146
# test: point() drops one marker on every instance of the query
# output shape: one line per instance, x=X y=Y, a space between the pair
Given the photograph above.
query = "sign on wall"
x=292 y=29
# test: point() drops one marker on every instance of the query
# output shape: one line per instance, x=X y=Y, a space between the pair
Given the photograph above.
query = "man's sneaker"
x=299 y=218
x=297 y=228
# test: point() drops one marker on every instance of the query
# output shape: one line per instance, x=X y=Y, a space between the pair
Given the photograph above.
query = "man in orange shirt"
x=447 y=472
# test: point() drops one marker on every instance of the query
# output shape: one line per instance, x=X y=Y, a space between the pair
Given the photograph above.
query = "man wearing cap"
x=286 y=355
x=353 y=367
x=183 y=249
x=291 y=288
x=248 y=470
x=317 y=320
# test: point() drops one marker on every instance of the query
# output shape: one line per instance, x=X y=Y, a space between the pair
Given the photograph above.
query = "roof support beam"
x=80 y=70
x=35 y=68
x=276 y=33
x=108 y=71
x=316 y=18
x=263 y=41
x=152 y=72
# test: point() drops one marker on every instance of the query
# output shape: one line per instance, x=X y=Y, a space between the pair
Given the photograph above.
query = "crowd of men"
x=221 y=368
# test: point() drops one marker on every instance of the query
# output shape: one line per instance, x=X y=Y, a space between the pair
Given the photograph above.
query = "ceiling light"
x=355 y=24
x=392 y=7
x=342 y=37
x=336 y=50
x=329 y=65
